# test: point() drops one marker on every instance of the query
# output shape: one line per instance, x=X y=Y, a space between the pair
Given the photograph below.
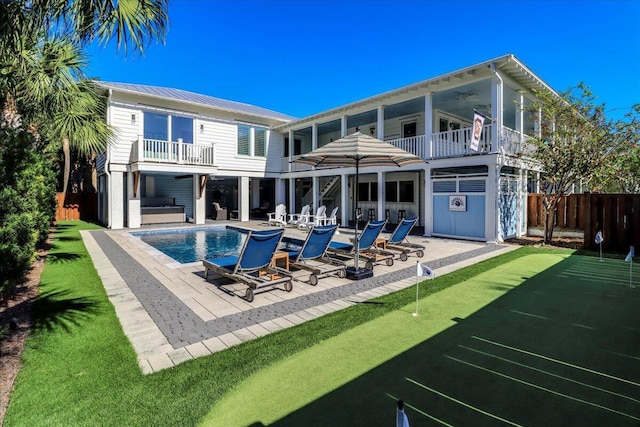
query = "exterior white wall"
x=210 y=128
x=133 y=204
x=199 y=207
x=116 y=214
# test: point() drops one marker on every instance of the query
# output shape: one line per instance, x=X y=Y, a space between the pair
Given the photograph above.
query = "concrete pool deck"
x=171 y=314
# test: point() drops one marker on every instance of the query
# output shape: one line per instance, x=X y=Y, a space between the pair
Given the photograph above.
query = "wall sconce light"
x=201 y=128
x=372 y=130
x=133 y=119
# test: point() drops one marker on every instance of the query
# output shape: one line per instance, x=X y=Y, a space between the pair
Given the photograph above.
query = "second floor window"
x=252 y=141
x=164 y=127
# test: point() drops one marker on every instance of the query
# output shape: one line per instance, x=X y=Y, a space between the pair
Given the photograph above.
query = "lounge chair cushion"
x=341 y=246
x=228 y=262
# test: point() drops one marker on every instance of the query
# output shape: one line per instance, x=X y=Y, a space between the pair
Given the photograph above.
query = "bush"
x=27 y=202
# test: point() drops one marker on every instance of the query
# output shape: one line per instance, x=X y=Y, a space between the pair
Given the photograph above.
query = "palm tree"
x=42 y=62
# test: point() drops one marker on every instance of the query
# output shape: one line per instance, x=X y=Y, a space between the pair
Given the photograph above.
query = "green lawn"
x=346 y=368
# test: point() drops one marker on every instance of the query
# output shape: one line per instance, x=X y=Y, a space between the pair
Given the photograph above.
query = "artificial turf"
x=345 y=368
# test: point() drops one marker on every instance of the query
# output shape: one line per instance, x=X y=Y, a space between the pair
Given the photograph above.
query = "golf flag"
x=631 y=254
x=599 y=238
x=478 y=122
x=425 y=271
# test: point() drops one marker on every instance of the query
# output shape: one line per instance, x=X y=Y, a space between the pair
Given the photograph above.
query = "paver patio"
x=171 y=314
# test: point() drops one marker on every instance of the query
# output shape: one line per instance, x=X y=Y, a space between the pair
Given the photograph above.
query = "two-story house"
x=192 y=150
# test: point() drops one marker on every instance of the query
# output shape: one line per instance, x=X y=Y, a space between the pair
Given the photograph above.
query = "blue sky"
x=303 y=57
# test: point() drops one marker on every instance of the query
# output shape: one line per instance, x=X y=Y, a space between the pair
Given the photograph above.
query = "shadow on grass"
x=62 y=257
x=517 y=359
x=68 y=238
x=54 y=310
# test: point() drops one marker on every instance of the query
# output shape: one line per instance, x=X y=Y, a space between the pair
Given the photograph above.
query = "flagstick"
x=600 y=251
x=416 y=313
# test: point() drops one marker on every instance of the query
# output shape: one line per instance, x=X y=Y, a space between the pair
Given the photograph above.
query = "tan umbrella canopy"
x=358 y=150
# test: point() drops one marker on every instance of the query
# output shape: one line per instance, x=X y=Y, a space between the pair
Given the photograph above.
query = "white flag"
x=631 y=254
x=425 y=271
x=478 y=122
x=599 y=238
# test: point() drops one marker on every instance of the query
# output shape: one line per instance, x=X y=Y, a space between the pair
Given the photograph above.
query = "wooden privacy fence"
x=76 y=206
x=616 y=215
x=571 y=211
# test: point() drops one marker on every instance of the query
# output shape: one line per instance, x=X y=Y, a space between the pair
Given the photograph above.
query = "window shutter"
x=243 y=140
x=260 y=143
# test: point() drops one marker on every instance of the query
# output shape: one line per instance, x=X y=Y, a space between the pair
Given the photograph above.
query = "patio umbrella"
x=358 y=150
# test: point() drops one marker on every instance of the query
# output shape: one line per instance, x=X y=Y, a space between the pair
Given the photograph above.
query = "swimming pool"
x=194 y=244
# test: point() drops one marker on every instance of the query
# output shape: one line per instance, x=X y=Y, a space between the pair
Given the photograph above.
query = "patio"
x=171 y=314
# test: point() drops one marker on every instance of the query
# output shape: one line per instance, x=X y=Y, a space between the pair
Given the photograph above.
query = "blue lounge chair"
x=312 y=254
x=366 y=246
x=398 y=240
x=251 y=266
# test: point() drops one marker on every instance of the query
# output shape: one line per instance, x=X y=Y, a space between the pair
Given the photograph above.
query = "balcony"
x=159 y=151
x=455 y=143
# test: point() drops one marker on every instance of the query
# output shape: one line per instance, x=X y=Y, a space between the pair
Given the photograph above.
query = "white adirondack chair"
x=279 y=217
x=303 y=217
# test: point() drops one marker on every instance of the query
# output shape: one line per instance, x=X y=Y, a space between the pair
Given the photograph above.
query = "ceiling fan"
x=463 y=97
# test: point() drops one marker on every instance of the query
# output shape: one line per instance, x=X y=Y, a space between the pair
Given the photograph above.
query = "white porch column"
x=523 y=197
x=281 y=192
x=538 y=124
x=291 y=144
x=343 y=126
x=344 y=199
x=199 y=205
x=243 y=198
x=314 y=136
x=315 y=184
x=116 y=188
x=380 y=125
x=520 y=117
x=496 y=110
x=381 y=195
x=491 y=204
x=292 y=196
x=133 y=201
x=428 y=203
x=428 y=126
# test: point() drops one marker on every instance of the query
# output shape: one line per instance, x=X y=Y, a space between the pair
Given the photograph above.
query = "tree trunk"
x=66 y=150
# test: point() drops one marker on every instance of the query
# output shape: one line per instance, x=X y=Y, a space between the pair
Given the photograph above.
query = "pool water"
x=191 y=244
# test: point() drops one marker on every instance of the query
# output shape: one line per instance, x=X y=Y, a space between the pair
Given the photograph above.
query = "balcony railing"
x=456 y=143
x=453 y=143
x=159 y=151
x=415 y=145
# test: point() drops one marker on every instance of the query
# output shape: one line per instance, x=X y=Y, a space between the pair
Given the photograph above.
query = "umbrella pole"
x=355 y=216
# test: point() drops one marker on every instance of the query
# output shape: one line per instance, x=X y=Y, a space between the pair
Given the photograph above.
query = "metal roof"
x=198 y=99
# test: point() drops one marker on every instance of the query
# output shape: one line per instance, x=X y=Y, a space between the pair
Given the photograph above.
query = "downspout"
x=500 y=162
x=107 y=164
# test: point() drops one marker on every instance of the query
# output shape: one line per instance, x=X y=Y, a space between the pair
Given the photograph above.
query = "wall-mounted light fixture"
x=133 y=119
x=201 y=128
x=372 y=129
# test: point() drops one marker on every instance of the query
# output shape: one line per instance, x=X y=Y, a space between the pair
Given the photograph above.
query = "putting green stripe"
x=557 y=361
x=529 y=314
x=431 y=417
x=586 y=402
x=513 y=362
x=466 y=405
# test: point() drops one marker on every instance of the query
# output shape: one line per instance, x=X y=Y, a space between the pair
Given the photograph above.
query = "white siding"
x=126 y=132
x=275 y=152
